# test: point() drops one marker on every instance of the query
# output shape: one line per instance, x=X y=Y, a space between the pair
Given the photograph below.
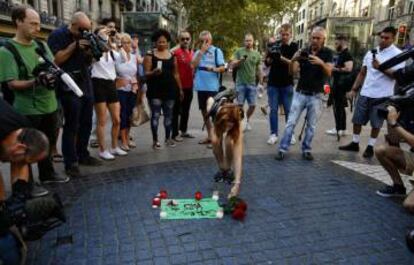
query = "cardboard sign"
x=190 y=209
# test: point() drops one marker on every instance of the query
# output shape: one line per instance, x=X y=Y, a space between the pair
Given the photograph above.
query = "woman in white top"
x=127 y=86
x=106 y=98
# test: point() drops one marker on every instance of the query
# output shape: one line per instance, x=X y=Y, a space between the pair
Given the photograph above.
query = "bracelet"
x=396 y=124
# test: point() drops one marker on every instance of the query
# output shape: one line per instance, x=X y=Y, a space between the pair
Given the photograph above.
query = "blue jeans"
x=77 y=127
x=167 y=107
x=275 y=96
x=9 y=250
x=127 y=101
x=313 y=107
x=246 y=93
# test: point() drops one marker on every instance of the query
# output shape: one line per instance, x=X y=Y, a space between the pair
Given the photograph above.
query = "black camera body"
x=35 y=217
x=275 y=49
x=46 y=68
x=98 y=46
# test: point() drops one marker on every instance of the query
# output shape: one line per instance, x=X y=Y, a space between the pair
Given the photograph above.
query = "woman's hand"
x=134 y=88
x=234 y=190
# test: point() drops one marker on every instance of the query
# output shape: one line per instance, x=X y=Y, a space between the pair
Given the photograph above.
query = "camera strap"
x=220 y=76
x=21 y=66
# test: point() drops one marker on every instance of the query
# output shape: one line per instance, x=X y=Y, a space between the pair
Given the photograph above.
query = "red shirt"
x=185 y=71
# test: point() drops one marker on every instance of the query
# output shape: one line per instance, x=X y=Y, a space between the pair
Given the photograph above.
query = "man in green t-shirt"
x=34 y=96
x=246 y=61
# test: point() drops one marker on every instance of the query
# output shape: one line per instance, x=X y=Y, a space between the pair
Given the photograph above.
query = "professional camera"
x=98 y=45
x=46 y=75
x=274 y=49
x=47 y=66
x=35 y=217
x=403 y=101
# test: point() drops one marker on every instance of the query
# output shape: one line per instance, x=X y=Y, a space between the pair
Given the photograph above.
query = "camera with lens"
x=36 y=216
x=46 y=75
x=98 y=45
x=403 y=101
x=275 y=49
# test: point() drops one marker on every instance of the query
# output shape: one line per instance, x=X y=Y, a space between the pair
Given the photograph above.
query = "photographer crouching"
x=22 y=217
x=399 y=113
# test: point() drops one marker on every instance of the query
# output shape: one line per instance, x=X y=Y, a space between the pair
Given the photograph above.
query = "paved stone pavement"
x=320 y=212
x=299 y=212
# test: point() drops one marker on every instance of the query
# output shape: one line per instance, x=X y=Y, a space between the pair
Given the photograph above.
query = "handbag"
x=139 y=116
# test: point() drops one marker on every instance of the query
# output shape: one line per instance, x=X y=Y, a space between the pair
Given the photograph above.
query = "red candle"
x=198 y=196
x=163 y=194
x=156 y=202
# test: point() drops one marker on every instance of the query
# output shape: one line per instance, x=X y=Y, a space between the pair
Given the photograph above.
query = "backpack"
x=8 y=94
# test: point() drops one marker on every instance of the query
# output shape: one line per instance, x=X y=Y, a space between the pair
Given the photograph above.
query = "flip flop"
x=205 y=141
x=57 y=158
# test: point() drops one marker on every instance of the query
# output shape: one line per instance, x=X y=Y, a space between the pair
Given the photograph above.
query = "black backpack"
x=8 y=94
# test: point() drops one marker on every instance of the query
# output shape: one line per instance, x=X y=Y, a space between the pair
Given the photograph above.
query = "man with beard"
x=341 y=74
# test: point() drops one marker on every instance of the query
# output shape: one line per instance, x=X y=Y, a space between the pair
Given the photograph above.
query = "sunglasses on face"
x=185 y=39
x=385 y=37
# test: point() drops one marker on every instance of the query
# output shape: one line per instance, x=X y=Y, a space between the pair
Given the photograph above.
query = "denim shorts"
x=246 y=92
x=366 y=109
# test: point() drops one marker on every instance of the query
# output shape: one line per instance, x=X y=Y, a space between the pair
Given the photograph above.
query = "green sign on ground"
x=190 y=209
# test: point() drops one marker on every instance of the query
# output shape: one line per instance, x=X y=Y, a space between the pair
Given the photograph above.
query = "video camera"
x=403 y=101
x=98 y=45
x=35 y=217
x=275 y=49
x=51 y=68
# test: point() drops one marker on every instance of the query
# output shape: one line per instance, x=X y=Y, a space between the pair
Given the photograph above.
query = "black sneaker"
x=73 y=171
x=280 y=156
x=392 y=191
x=369 y=152
x=354 y=147
x=55 y=178
x=307 y=156
x=38 y=191
x=90 y=161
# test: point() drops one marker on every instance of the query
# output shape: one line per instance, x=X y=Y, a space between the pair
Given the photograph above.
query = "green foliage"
x=229 y=20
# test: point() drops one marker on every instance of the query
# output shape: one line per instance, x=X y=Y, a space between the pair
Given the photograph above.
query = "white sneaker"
x=343 y=133
x=248 y=126
x=293 y=140
x=105 y=155
x=272 y=139
x=331 y=131
x=118 y=151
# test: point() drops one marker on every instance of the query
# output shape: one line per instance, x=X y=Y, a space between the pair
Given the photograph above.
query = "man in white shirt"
x=376 y=89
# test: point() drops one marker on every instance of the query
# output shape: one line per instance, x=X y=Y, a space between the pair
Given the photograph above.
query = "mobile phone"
x=159 y=65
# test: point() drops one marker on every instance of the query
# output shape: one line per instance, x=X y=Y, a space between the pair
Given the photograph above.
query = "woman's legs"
x=167 y=110
x=100 y=110
x=155 y=105
x=114 y=110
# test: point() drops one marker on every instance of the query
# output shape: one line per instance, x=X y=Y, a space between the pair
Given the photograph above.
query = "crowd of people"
x=117 y=78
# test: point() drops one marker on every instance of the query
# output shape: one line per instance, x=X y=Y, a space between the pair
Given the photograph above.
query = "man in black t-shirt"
x=342 y=82
x=315 y=66
x=280 y=82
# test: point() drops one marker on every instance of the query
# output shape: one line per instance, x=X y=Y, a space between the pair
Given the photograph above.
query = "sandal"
x=205 y=141
x=57 y=158
x=156 y=146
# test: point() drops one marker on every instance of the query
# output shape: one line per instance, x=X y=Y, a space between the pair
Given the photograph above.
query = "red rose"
x=241 y=205
x=239 y=214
